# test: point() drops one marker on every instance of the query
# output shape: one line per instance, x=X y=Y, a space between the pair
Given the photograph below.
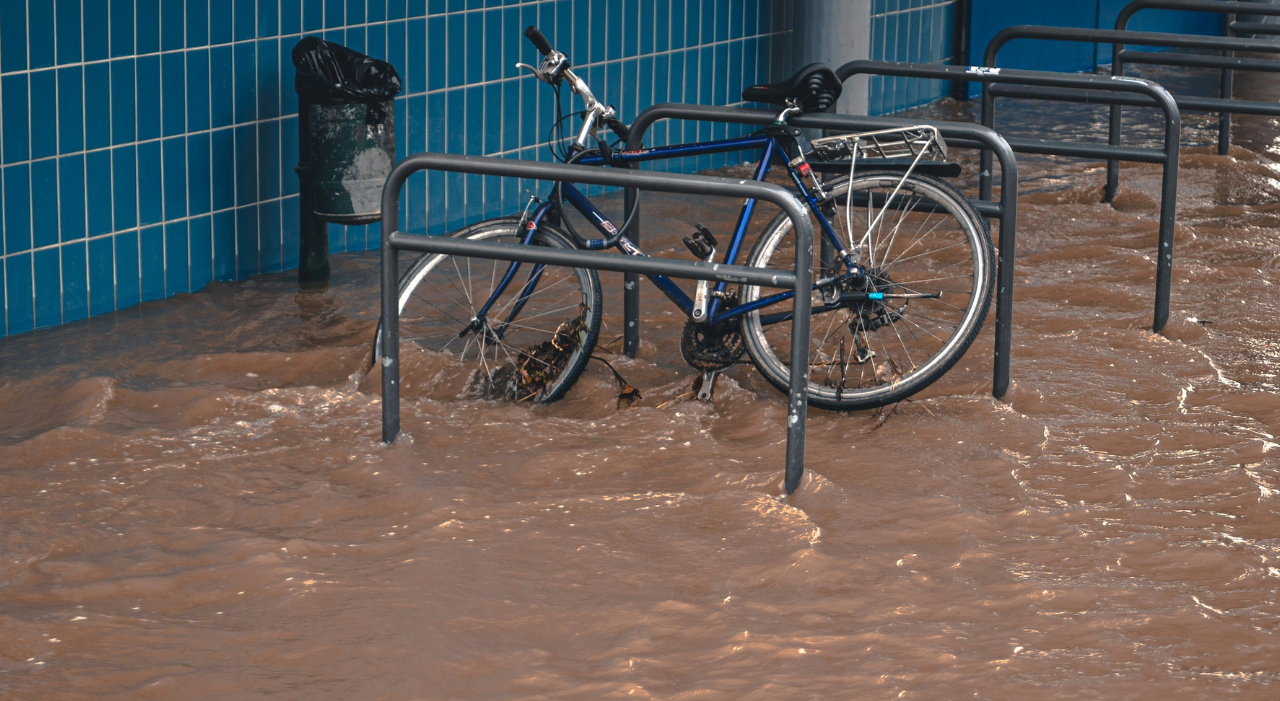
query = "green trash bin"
x=353 y=148
x=347 y=143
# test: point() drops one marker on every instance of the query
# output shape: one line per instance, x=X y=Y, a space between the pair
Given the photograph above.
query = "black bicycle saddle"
x=814 y=88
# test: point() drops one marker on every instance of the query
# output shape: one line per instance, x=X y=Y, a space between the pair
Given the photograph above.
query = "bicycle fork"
x=478 y=322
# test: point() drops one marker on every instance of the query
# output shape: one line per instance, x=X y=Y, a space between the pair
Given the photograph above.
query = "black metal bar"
x=1214 y=104
x=1218 y=6
x=1186 y=103
x=1225 y=82
x=1101 y=97
x=1229 y=10
x=957 y=134
x=798 y=387
x=1045 y=147
x=631 y=287
x=1122 y=84
x=990 y=210
x=981 y=75
x=993 y=76
x=1122 y=37
x=599 y=260
x=800 y=279
x=1238 y=27
x=960 y=42
x=1119 y=38
x=1170 y=58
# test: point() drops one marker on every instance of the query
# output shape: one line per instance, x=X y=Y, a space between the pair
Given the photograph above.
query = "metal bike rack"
x=1224 y=105
x=394 y=241
x=957 y=134
x=1069 y=87
x=1230 y=26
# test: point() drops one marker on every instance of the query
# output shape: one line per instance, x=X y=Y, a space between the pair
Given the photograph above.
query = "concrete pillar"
x=834 y=32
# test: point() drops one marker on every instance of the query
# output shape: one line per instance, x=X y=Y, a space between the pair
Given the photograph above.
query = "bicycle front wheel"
x=537 y=335
x=878 y=340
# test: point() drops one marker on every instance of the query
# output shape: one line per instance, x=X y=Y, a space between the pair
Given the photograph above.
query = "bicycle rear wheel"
x=536 y=338
x=867 y=352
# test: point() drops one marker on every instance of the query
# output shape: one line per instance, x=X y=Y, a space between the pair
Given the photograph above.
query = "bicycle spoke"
x=918 y=255
x=442 y=311
x=902 y=215
x=920 y=235
x=918 y=326
x=904 y=345
x=466 y=289
x=515 y=298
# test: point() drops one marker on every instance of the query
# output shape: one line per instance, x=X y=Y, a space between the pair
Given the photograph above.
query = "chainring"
x=716 y=347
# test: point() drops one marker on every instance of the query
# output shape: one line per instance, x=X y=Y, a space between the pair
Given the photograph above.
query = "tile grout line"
x=164 y=204
x=186 y=143
x=31 y=231
x=84 y=172
x=57 y=195
x=279 y=144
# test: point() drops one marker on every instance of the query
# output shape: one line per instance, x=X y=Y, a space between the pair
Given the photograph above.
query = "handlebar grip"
x=540 y=42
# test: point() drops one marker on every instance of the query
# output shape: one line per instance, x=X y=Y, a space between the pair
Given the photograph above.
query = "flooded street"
x=194 y=501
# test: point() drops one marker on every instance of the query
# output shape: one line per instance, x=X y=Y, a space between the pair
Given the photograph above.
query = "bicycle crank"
x=705 y=384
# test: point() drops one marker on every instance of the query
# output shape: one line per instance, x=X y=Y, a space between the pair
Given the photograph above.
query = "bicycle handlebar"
x=539 y=41
x=555 y=66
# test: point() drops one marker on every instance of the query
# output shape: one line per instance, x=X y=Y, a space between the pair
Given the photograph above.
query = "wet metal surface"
x=194 y=502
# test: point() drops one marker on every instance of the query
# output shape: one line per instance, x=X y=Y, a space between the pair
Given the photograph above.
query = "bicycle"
x=905 y=264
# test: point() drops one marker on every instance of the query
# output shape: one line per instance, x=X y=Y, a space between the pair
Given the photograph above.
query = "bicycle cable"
x=595 y=244
x=555 y=145
x=556 y=135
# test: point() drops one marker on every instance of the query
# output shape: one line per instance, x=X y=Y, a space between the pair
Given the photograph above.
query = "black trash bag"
x=331 y=74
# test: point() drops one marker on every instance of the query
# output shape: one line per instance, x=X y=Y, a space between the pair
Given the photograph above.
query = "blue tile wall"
x=910 y=30
x=147 y=146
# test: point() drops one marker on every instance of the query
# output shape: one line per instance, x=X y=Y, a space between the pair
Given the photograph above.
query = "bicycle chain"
x=712 y=347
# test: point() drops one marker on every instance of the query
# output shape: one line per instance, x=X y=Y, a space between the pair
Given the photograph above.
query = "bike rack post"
x=1119 y=38
x=958 y=134
x=1070 y=87
x=800 y=279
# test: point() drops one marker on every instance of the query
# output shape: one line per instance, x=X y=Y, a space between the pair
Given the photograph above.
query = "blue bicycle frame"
x=572 y=195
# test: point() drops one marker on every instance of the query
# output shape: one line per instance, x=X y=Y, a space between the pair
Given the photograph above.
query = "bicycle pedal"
x=704 y=235
x=700 y=250
x=702 y=244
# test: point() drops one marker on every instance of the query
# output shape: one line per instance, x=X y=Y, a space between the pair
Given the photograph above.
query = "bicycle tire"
x=511 y=364
x=897 y=374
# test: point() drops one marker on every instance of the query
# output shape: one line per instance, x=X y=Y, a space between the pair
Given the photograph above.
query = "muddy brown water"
x=194 y=502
